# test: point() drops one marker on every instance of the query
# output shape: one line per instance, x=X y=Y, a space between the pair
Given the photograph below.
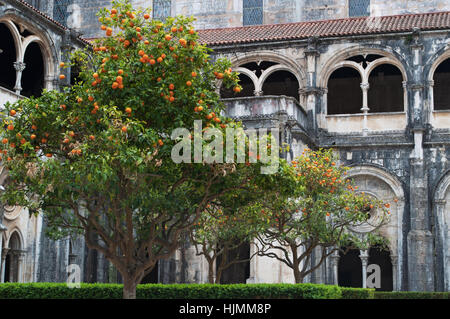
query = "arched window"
x=281 y=83
x=12 y=259
x=248 y=88
x=441 y=87
x=8 y=56
x=33 y=75
x=386 y=89
x=344 y=92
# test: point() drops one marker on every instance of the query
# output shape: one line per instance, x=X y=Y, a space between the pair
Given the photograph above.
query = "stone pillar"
x=253 y=265
x=311 y=90
x=395 y=282
x=419 y=240
x=365 y=107
x=20 y=265
x=19 y=67
x=364 y=255
x=4 y=253
x=258 y=93
x=334 y=264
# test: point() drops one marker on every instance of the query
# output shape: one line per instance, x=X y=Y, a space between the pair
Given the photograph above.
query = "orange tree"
x=317 y=215
x=96 y=157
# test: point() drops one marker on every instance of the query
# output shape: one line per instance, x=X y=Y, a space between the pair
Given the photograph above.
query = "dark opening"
x=382 y=258
x=33 y=75
x=386 y=89
x=12 y=265
x=248 y=88
x=75 y=71
x=240 y=272
x=441 y=86
x=350 y=269
x=7 y=58
x=364 y=59
x=281 y=83
x=152 y=277
x=258 y=67
x=344 y=92
x=8 y=268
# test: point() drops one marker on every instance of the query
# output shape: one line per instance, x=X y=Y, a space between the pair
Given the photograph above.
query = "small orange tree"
x=316 y=214
x=96 y=157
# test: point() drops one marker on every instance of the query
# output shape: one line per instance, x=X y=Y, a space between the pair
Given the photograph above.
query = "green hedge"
x=176 y=291
x=357 y=293
x=411 y=295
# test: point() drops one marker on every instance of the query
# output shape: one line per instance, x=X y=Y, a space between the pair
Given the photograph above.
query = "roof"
x=326 y=28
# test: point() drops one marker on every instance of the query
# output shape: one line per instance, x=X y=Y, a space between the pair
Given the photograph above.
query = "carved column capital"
x=19 y=66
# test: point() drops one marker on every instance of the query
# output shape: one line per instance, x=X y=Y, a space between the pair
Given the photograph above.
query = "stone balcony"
x=265 y=107
x=8 y=96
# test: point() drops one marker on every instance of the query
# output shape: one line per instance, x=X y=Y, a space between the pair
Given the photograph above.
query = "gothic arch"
x=389 y=56
x=393 y=229
x=283 y=62
x=15 y=232
x=433 y=63
x=441 y=211
x=430 y=69
x=39 y=35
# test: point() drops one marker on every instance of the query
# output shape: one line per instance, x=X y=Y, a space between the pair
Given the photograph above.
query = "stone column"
x=258 y=93
x=419 y=240
x=253 y=265
x=4 y=253
x=311 y=91
x=365 y=108
x=334 y=263
x=20 y=265
x=395 y=282
x=364 y=255
x=19 y=67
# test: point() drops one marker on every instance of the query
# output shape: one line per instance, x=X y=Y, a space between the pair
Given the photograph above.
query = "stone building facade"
x=373 y=87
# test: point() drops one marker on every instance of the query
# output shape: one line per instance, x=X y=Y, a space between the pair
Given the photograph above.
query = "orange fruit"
x=171 y=87
x=92 y=137
x=152 y=61
x=62 y=76
x=194 y=74
x=5 y=141
x=124 y=129
x=168 y=37
x=61 y=64
x=48 y=155
x=188 y=83
x=146 y=16
x=182 y=42
x=128 y=110
x=10 y=127
x=12 y=112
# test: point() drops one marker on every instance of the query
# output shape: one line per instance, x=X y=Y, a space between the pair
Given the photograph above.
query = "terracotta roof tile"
x=326 y=28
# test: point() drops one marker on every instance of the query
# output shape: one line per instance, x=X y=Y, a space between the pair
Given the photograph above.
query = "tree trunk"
x=211 y=271
x=298 y=276
x=129 y=288
x=218 y=275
